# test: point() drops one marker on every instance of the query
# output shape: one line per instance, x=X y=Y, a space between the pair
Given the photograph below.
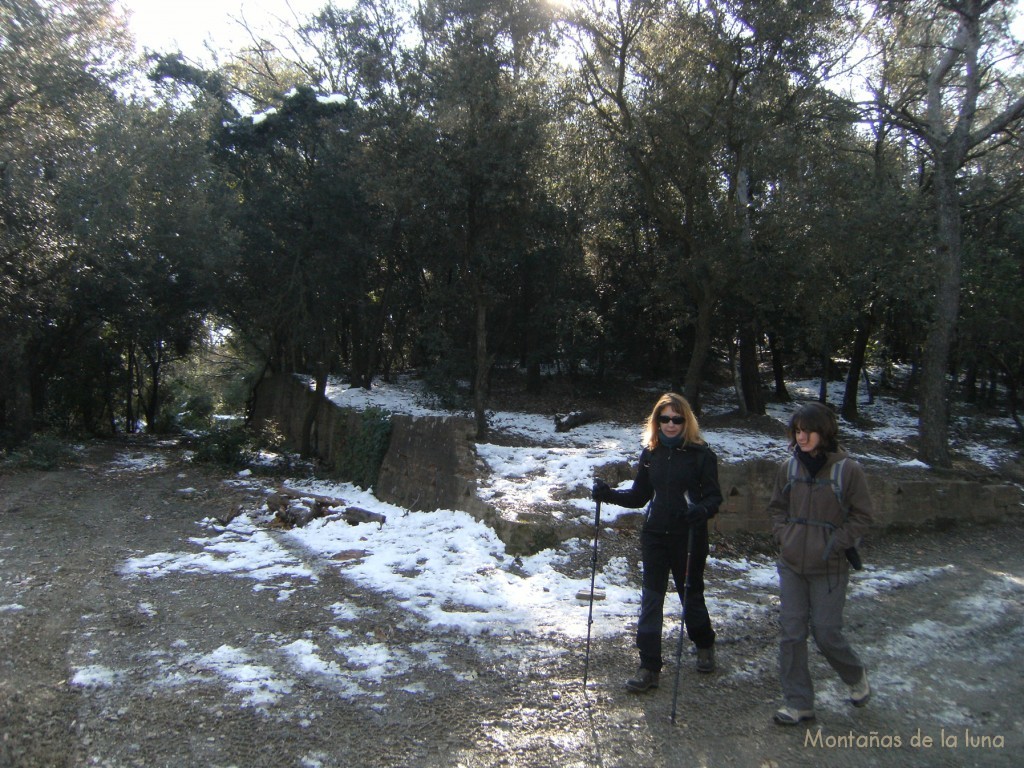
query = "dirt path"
x=100 y=669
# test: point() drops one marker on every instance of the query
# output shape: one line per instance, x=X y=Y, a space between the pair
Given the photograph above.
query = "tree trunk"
x=778 y=369
x=129 y=404
x=750 y=376
x=848 y=410
x=701 y=346
x=737 y=379
x=957 y=82
x=309 y=420
x=482 y=367
x=17 y=405
x=826 y=367
x=933 y=420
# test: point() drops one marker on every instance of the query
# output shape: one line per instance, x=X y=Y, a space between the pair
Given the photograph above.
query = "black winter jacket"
x=664 y=477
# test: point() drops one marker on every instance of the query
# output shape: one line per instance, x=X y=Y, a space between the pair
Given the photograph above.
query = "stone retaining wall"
x=284 y=401
x=900 y=502
x=431 y=463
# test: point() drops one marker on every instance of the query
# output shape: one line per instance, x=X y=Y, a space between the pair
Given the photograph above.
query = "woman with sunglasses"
x=677 y=478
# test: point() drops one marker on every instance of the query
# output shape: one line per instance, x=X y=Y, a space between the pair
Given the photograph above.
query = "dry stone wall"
x=900 y=501
x=431 y=463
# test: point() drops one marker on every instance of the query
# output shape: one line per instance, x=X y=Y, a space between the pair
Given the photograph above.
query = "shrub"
x=231 y=446
x=364 y=450
x=42 y=452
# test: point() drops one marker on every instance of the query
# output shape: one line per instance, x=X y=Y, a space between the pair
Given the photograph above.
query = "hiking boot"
x=860 y=691
x=788 y=715
x=643 y=680
x=706 y=659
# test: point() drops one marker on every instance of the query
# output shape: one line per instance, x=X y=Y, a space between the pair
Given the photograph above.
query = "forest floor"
x=946 y=654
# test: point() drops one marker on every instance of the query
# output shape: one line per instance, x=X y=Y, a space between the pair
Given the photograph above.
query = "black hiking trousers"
x=663 y=554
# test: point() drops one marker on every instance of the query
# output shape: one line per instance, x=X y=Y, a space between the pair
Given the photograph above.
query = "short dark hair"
x=815 y=417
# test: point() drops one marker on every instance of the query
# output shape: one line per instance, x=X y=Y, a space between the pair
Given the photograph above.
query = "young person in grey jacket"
x=820 y=508
x=677 y=478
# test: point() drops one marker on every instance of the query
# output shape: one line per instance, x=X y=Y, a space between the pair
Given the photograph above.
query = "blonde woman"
x=677 y=478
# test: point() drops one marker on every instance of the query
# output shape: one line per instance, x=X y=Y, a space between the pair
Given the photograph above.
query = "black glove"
x=601 y=491
x=854 y=557
x=696 y=514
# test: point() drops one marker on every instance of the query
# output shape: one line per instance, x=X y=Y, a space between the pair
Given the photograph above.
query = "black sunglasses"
x=673 y=419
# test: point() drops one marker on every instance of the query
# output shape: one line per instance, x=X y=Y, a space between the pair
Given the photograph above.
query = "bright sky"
x=188 y=24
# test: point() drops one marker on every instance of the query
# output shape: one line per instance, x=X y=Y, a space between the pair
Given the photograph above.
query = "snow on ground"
x=138 y=461
x=94 y=676
x=450 y=572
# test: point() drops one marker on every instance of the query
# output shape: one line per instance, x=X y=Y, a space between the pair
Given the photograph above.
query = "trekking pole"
x=593 y=577
x=682 y=621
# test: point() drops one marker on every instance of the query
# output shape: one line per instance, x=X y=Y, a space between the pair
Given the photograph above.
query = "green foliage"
x=42 y=452
x=214 y=380
x=445 y=362
x=234 y=447
x=695 y=182
x=200 y=405
x=306 y=232
x=271 y=437
x=198 y=411
x=236 y=392
x=364 y=450
x=105 y=224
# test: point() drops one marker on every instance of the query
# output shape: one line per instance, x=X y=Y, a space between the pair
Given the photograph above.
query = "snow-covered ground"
x=449 y=571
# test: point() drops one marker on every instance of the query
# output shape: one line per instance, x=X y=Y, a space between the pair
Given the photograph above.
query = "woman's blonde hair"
x=691 y=429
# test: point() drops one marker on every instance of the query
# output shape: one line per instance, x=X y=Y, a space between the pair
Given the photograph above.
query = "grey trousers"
x=815 y=603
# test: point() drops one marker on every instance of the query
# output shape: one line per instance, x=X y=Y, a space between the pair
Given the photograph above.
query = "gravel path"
x=102 y=669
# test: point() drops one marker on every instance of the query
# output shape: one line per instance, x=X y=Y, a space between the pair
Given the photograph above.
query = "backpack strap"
x=792 y=470
x=835 y=479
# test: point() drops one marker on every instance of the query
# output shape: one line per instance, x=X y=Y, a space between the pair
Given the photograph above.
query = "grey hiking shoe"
x=643 y=680
x=788 y=715
x=706 y=659
x=860 y=692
